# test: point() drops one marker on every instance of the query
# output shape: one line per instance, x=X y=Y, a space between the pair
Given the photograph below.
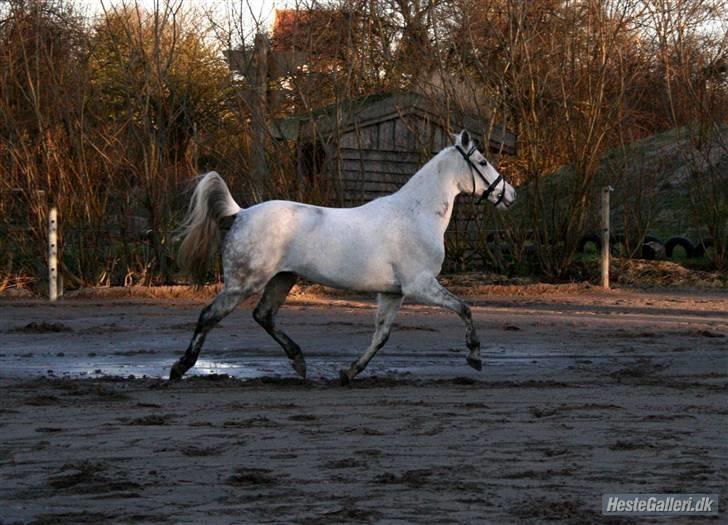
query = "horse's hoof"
x=299 y=365
x=176 y=373
x=344 y=378
x=475 y=363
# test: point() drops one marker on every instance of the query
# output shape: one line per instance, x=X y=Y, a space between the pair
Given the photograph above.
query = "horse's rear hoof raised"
x=475 y=363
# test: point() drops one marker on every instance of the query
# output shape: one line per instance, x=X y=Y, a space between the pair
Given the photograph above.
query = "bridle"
x=490 y=185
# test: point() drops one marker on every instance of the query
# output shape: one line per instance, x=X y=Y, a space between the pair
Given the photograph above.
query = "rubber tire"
x=701 y=247
x=652 y=238
x=679 y=241
x=648 y=252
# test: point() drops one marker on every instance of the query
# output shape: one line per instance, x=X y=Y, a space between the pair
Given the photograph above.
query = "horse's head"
x=485 y=179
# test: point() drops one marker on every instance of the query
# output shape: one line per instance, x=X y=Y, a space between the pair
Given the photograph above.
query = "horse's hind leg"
x=223 y=304
x=427 y=290
x=274 y=296
x=389 y=305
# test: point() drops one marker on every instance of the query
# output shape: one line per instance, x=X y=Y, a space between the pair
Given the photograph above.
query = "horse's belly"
x=349 y=269
x=360 y=285
x=344 y=249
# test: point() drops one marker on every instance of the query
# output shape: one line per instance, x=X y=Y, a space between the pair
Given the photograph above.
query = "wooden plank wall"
x=378 y=159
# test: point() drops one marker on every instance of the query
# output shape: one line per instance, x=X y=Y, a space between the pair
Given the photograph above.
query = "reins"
x=490 y=186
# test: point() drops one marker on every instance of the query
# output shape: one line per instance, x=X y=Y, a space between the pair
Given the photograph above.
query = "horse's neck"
x=431 y=192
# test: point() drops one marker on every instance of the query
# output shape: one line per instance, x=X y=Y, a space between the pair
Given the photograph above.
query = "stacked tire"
x=685 y=244
x=702 y=247
x=653 y=248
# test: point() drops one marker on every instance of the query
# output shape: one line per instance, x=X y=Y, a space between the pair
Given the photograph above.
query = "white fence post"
x=605 y=236
x=53 y=254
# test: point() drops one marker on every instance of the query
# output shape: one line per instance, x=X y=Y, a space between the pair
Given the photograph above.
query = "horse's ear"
x=465 y=138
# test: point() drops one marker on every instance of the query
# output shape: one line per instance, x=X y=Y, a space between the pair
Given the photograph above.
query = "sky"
x=250 y=14
x=261 y=10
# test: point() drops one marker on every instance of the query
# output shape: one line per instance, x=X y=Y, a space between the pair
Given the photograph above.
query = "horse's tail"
x=200 y=232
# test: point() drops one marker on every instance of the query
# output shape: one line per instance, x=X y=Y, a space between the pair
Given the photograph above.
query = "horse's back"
x=343 y=247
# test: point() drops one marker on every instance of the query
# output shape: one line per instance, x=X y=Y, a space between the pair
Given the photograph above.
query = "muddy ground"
x=581 y=394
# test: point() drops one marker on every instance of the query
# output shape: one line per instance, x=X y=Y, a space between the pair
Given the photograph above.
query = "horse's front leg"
x=388 y=306
x=425 y=289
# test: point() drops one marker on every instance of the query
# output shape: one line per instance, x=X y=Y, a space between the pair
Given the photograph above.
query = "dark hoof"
x=177 y=371
x=299 y=365
x=344 y=378
x=475 y=363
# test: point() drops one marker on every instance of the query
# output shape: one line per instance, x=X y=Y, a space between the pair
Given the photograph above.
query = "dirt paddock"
x=581 y=394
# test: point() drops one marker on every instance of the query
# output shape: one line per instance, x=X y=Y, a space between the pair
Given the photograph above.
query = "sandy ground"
x=580 y=395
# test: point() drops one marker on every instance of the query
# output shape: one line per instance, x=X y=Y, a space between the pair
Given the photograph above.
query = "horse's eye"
x=483 y=162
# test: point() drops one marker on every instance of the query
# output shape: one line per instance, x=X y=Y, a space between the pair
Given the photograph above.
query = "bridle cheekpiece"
x=491 y=186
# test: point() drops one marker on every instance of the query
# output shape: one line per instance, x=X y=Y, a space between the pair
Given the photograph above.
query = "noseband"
x=490 y=186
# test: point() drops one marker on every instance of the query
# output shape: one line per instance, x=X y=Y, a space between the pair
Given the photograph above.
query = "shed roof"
x=374 y=109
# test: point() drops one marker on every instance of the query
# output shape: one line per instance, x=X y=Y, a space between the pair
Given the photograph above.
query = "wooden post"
x=605 y=236
x=259 y=113
x=53 y=254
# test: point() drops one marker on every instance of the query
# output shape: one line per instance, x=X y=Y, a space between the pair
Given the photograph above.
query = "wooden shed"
x=370 y=147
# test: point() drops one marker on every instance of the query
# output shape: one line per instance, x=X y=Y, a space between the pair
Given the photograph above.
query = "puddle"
x=429 y=365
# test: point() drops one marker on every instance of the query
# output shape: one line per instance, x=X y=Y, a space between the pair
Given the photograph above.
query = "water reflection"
x=431 y=364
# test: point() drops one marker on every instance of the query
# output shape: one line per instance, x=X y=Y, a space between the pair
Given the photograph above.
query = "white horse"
x=393 y=246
